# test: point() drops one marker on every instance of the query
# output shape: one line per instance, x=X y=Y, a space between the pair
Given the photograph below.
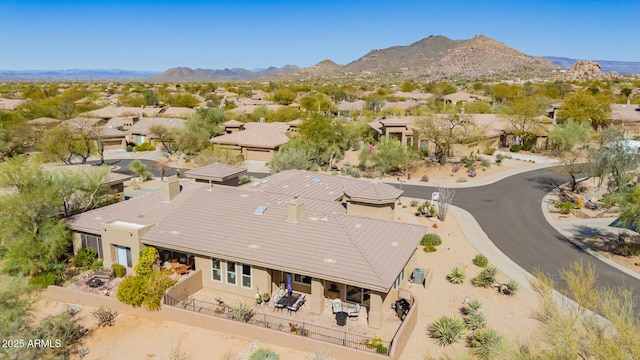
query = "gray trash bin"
x=341 y=318
x=418 y=276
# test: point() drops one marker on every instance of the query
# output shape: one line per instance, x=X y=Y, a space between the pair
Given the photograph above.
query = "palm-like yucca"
x=471 y=306
x=447 y=330
x=457 y=275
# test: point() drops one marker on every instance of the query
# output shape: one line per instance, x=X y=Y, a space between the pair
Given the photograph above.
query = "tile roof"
x=43 y=121
x=10 y=104
x=215 y=171
x=371 y=192
x=253 y=136
x=625 y=112
x=142 y=126
x=221 y=221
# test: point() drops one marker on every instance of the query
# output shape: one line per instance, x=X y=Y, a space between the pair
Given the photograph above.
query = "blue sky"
x=157 y=35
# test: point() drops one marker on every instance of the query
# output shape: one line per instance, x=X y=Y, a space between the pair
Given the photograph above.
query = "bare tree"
x=162 y=164
x=444 y=130
x=446 y=198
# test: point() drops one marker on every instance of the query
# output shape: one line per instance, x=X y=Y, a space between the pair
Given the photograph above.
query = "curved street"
x=510 y=213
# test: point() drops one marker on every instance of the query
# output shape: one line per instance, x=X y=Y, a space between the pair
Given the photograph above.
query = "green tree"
x=150 y=99
x=585 y=107
x=317 y=103
x=390 y=156
x=34 y=238
x=182 y=100
x=444 y=130
x=166 y=135
x=138 y=167
x=284 y=96
x=148 y=258
x=523 y=116
x=199 y=128
x=290 y=159
x=68 y=141
x=322 y=137
x=613 y=162
x=569 y=134
x=219 y=154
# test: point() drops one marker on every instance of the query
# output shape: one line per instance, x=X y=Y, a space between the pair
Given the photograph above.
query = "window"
x=399 y=280
x=246 y=276
x=302 y=279
x=358 y=295
x=409 y=141
x=92 y=241
x=424 y=144
x=216 y=270
x=231 y=273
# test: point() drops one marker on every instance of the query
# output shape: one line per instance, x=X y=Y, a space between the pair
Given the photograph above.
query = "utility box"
x=418 y=276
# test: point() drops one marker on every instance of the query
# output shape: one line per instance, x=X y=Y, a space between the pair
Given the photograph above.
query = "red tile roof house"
x=312 y=226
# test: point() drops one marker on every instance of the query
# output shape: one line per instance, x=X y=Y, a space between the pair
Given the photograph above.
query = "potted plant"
x=266 y=297
x=293 y=328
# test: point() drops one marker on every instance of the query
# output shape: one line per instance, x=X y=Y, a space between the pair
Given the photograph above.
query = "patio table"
x=286 y=300
x=94 y=283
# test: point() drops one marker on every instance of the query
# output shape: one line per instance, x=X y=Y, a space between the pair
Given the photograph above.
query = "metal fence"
x=333 y=336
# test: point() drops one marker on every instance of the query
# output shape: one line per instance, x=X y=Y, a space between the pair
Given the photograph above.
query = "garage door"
x=262 y=155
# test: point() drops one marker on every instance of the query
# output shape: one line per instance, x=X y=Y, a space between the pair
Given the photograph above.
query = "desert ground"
x=137 y=338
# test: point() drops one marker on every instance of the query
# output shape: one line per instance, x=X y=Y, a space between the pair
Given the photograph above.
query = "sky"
x=158 y=35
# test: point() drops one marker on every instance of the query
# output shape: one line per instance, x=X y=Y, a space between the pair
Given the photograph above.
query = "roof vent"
x=358 y=226
x=174 y=232
x=260 y=210
x=394 y=244
x=254 y=246
x=329 y=260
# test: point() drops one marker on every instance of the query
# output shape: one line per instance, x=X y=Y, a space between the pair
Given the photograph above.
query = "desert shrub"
x=148 y=258
x=565 y=207
x=431 y=239
x=381 y=349
x=264 y=354
x=462 y=179
x=241 y=311
x=119 y=270
x=472 y=173
x=628 y=249
x=457 y=275
x=429 y=248
x=515 y=148
x=424 y=178
x=490 y=151
x=144 y=291
x=176 y=353
x=475 y=320
x=455 y=168
x=486 y=163
x=499 y=159
x=44 y=279
x=486 y=277
x=414 y=203
x=60 y=327
x=480 y=260
x=486 y=343
x=446 y=330
x=578 y=203
x=105 y=316
x=85 y=257
x=468 y=162
x=96 y=264
x=145 y=147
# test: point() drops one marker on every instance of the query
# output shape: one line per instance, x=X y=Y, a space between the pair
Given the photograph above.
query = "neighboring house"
x=344 y=107
x=110 y=112
x=626 y=116
x=254 y=141
x=101 y=132
x=218 y=174
x=312 y=227
x=462 y=97
x=139 y=133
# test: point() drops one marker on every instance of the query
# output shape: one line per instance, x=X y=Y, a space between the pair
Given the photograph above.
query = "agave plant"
x=447 y=330
x=480 y=260
x=475 y=320
x=509 y=288
x=471 y=306
x=486 y=343
x=486 y=277
x=457 y=275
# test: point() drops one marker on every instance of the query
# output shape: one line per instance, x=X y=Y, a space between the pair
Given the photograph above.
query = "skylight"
x=260 y=210
x=255 y=185
x=316 y=180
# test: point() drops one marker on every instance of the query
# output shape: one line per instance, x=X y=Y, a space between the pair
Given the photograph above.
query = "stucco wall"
x=187 y=285
x=261 y=278
x=382 y=212
x=169 y=313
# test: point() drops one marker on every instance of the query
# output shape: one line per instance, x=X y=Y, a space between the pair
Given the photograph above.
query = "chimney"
x=170 y=189
x=296 y=208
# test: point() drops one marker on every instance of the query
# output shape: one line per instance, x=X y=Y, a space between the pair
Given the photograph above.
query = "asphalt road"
x=509 y=211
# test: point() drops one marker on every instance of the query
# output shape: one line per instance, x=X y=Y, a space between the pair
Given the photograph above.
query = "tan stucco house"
x=314 y=227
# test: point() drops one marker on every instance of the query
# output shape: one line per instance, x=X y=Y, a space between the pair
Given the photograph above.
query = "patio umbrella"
x=289 y=290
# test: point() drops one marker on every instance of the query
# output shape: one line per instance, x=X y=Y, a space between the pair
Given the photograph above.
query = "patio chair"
x=336 y=305
x=354 y=312
x=297 y=304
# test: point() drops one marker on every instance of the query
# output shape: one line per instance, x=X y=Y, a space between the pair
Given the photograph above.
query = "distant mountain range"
x=434 y=57
x=73 y=74
x=621 y=67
